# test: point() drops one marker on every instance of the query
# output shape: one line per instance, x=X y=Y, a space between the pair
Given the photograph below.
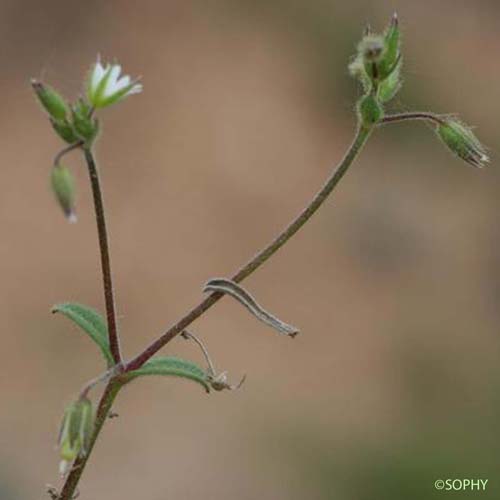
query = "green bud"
x=63 y=185
x=76 y=431
x=370 y=111
x=85 y=126
x=377 y=59
x=64 y=130
x=391 y=54
x=50 y=100
x=389 y=87
x=461 y=141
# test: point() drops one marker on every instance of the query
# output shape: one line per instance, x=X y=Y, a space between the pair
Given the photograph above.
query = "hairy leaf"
x=171 y=366
x=223 y=285
x=91 y=322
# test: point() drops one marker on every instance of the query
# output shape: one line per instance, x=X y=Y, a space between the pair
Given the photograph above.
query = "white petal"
x=112 y=81
x=136 y=89
x=123 y=82
x=97 y=75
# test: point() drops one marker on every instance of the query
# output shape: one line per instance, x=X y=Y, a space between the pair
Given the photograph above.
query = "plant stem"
x=114 y=384
x=417 y=115
x=361 y=136
x=73 y=478
x=114 y=341
x=66 y=150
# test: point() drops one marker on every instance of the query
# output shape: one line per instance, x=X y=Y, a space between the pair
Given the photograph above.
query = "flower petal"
x=106 y=85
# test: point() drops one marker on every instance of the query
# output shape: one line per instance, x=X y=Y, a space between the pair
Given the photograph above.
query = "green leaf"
x=168 y=365
x=91 y=322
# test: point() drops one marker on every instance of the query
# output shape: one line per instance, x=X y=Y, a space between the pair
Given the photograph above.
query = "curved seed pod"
x=231 y=288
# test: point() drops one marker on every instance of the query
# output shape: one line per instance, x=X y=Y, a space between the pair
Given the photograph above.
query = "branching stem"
x=259 y=259
x=115 y=384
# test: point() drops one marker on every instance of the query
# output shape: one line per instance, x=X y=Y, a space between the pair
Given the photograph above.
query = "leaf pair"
x=92 y=323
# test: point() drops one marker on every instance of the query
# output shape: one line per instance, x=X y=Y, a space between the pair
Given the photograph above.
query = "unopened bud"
x=461 y=141
x=389 y=87
x=377 y=64
x=50 y=100
x=391 y=55
x=85 y=126
x=76 y=432
x=63 y=185
x=64 y=130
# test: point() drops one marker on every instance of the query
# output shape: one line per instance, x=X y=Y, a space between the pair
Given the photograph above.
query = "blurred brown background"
x=394 y=382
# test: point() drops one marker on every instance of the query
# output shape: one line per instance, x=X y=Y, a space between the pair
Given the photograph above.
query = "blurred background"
x=395 y=284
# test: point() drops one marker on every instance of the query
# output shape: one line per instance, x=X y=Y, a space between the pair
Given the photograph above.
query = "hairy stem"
x=361 y=136
x=417 y=115
x=114 y=385
x=114 y=341
x=105 y=404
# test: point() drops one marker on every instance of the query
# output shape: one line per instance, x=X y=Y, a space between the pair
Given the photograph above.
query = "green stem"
x=105 y=404
x=114 y=341
x=361 y=137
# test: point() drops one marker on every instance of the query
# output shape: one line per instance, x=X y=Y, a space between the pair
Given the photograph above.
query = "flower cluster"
x=377 y=64
x=76 y=124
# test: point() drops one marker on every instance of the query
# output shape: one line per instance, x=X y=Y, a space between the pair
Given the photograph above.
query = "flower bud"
x=63 y=185
x=85 y=126
x=64 y=130
x=370 y=110
x=389 y=87
x=391 y=54
x=461 y=141
x=50 y=100
x=76 y=431
x=377 y=64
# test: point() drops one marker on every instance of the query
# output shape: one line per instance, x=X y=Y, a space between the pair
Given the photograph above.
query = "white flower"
x=105 y=85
